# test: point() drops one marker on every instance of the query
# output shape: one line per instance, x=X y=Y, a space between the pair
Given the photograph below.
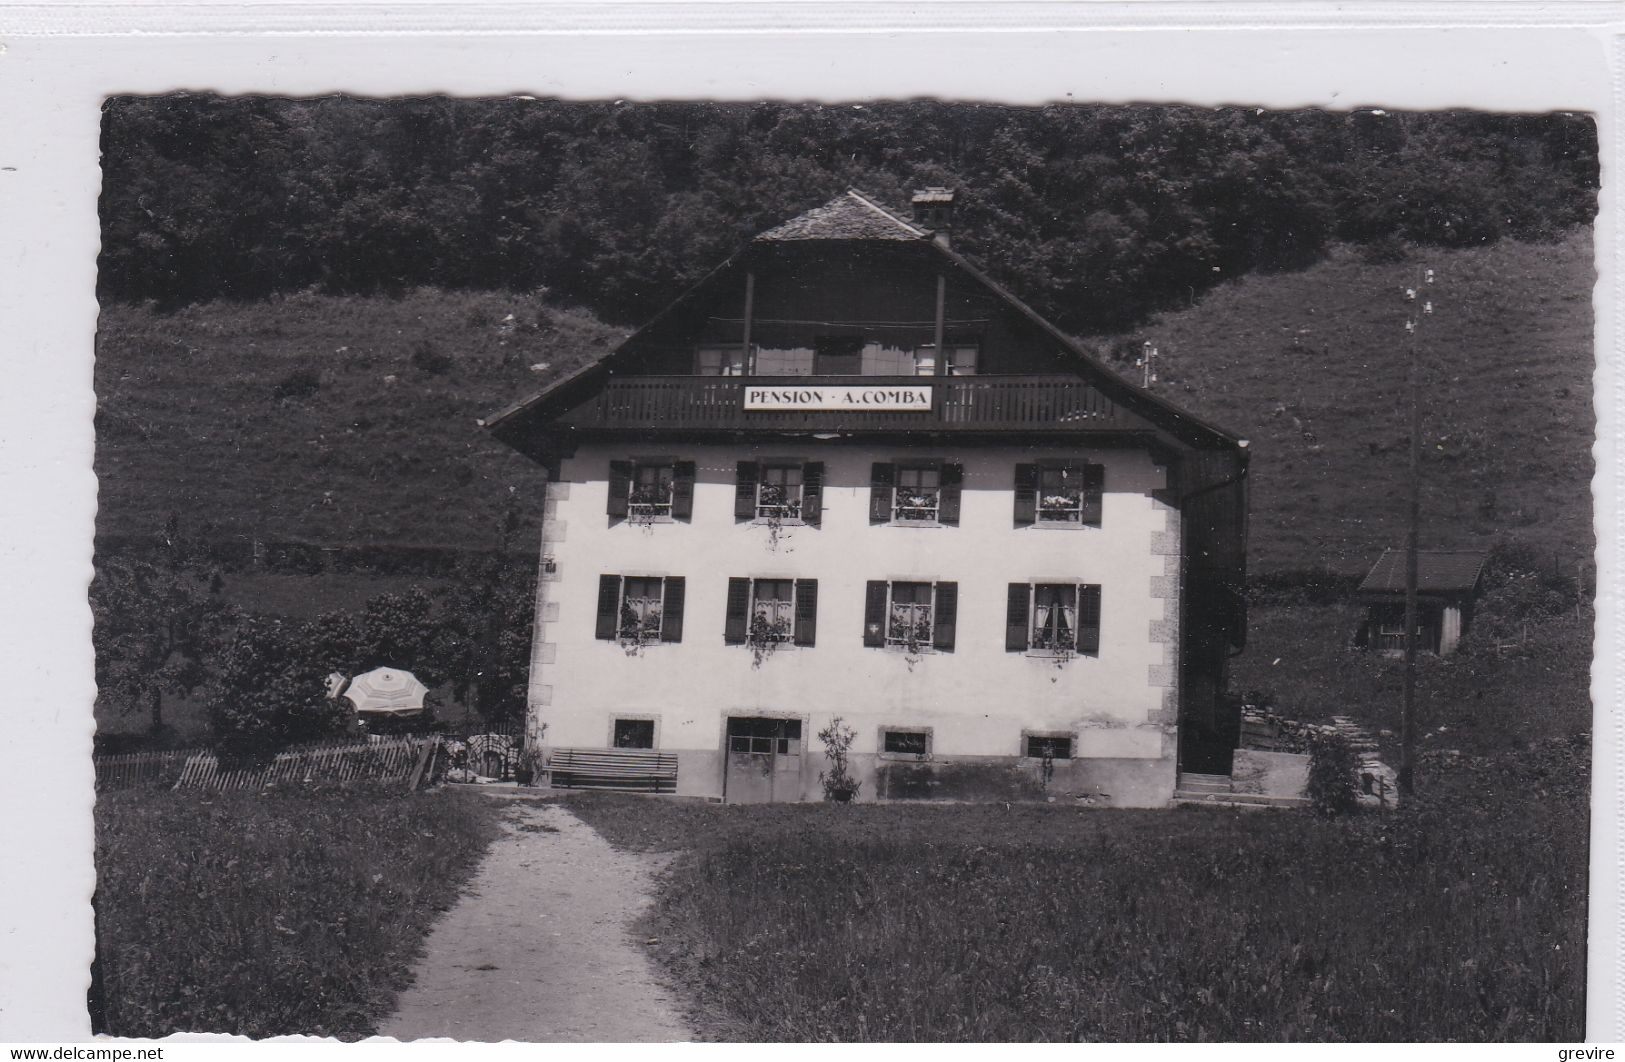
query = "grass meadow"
x=265 y=913
x=1458 y=919
x=1311 y=367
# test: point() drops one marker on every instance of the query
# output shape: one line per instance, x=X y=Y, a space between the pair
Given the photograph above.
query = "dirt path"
x=537 y=947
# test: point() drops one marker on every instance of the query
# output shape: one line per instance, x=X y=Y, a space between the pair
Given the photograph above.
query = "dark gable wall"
x=844 y=290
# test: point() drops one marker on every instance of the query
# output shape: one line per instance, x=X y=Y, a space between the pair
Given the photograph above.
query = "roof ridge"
x=883 y=212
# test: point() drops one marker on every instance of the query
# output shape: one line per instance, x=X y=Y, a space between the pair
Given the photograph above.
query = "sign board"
x=877 y=399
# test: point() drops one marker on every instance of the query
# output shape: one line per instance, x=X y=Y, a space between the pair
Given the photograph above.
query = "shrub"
x=300 y=383
x=838 y=781
x=1334 y=785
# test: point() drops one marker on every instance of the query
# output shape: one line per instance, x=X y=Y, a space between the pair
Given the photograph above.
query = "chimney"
x=934 y=210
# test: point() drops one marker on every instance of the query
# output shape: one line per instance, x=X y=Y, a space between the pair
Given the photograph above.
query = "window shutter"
x=1089 y=619
x=882 y=481
x=1026 y=494
x=1016 y=618
x=874 y=614
x=745 y=490
x=609 y=606
x=620 y=484
x=737 y=623
x=812 y=492
x=944 y=617
x=682 y=491
x=671 y=609
x=953 y=477
x=1094 y=483
x=806 y=632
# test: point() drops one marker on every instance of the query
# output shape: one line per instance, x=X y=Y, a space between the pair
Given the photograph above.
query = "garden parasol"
x=386 y=691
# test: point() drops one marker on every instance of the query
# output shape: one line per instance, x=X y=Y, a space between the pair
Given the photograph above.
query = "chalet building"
x=1447 y=585
x=847 y=475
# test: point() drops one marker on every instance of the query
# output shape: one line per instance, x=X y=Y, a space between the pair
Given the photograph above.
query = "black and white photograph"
x=899 y=569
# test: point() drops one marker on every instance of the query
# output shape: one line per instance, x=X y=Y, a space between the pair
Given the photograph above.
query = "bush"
x=1334 y=784
x=838 y=782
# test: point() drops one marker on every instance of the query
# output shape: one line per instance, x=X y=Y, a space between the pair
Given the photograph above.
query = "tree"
x=269 y=692
x=156 y=631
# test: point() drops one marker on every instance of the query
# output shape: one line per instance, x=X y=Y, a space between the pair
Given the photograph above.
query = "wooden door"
x=763 y=760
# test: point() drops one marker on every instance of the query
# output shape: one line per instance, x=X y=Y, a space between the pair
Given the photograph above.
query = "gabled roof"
x=1438 y=571
x=853 y=216
x=849 y=216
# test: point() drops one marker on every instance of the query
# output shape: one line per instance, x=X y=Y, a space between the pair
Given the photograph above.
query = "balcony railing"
x=964 y=403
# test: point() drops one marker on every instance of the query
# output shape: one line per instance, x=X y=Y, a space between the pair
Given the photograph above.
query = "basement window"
x=1043 y=746
x=634 y=733
x=916 y=743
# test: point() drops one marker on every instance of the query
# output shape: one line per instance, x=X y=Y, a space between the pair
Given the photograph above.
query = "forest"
x=1098 y=216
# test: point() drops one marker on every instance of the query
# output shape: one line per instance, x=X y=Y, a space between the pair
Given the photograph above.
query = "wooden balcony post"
x=750 y=309
x=942 y=300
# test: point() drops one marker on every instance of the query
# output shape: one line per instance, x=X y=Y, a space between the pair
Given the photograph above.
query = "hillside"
x=1311 y=368
x=352 y=419
x=328 y=419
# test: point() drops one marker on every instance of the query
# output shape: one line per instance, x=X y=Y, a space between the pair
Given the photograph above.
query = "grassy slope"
x=1013 y=922
x=283 y=911
x=1311 y=367
x=189 y=419
x=1480 y=701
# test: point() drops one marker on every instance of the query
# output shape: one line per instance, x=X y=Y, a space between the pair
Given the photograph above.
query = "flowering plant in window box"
x=637 y=630
x=647 y=502
x=776 y=501
x=766 y=634
x=916 y=505
x=909 y=628
x=1063 y=505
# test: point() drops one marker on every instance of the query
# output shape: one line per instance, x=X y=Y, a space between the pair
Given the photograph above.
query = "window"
x=640 y=610
x=1059 y=494
x=634 y=733
x=779 y=490
x=771 y=612
x=642 y=605
x=649 y=493
x=1055 y=618
x=651 y=490
x=911 y=616
x=765 y=736
x=962 y=359
x=1049 y=746
x=915 y=743
x=720 y=360
x=915 y=492
x=908 y=619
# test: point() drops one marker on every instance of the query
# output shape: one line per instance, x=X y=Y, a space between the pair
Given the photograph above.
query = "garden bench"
x=613 y=769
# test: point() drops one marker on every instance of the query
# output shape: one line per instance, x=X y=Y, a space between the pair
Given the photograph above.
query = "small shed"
x=1447 y=583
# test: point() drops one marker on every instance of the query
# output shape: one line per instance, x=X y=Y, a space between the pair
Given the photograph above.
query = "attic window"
x=720 y=361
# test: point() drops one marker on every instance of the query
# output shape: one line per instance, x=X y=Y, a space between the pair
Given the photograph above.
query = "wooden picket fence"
x=141 y=770
x=348 y=761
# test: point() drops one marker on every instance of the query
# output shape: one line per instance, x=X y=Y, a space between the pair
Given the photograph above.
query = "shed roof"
x=849 y=216
x=1438 y=571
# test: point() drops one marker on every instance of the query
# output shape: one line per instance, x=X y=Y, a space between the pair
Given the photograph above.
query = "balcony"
x=1058 y=403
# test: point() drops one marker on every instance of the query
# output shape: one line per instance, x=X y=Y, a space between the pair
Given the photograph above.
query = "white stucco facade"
x=977 y=702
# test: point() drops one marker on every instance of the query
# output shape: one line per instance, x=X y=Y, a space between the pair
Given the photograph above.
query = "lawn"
x=1482 y=701
x=1461 y=918
x=265 y=913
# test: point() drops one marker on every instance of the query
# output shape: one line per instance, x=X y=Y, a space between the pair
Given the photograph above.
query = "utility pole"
x=1148 y=356
x=1407 y=725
